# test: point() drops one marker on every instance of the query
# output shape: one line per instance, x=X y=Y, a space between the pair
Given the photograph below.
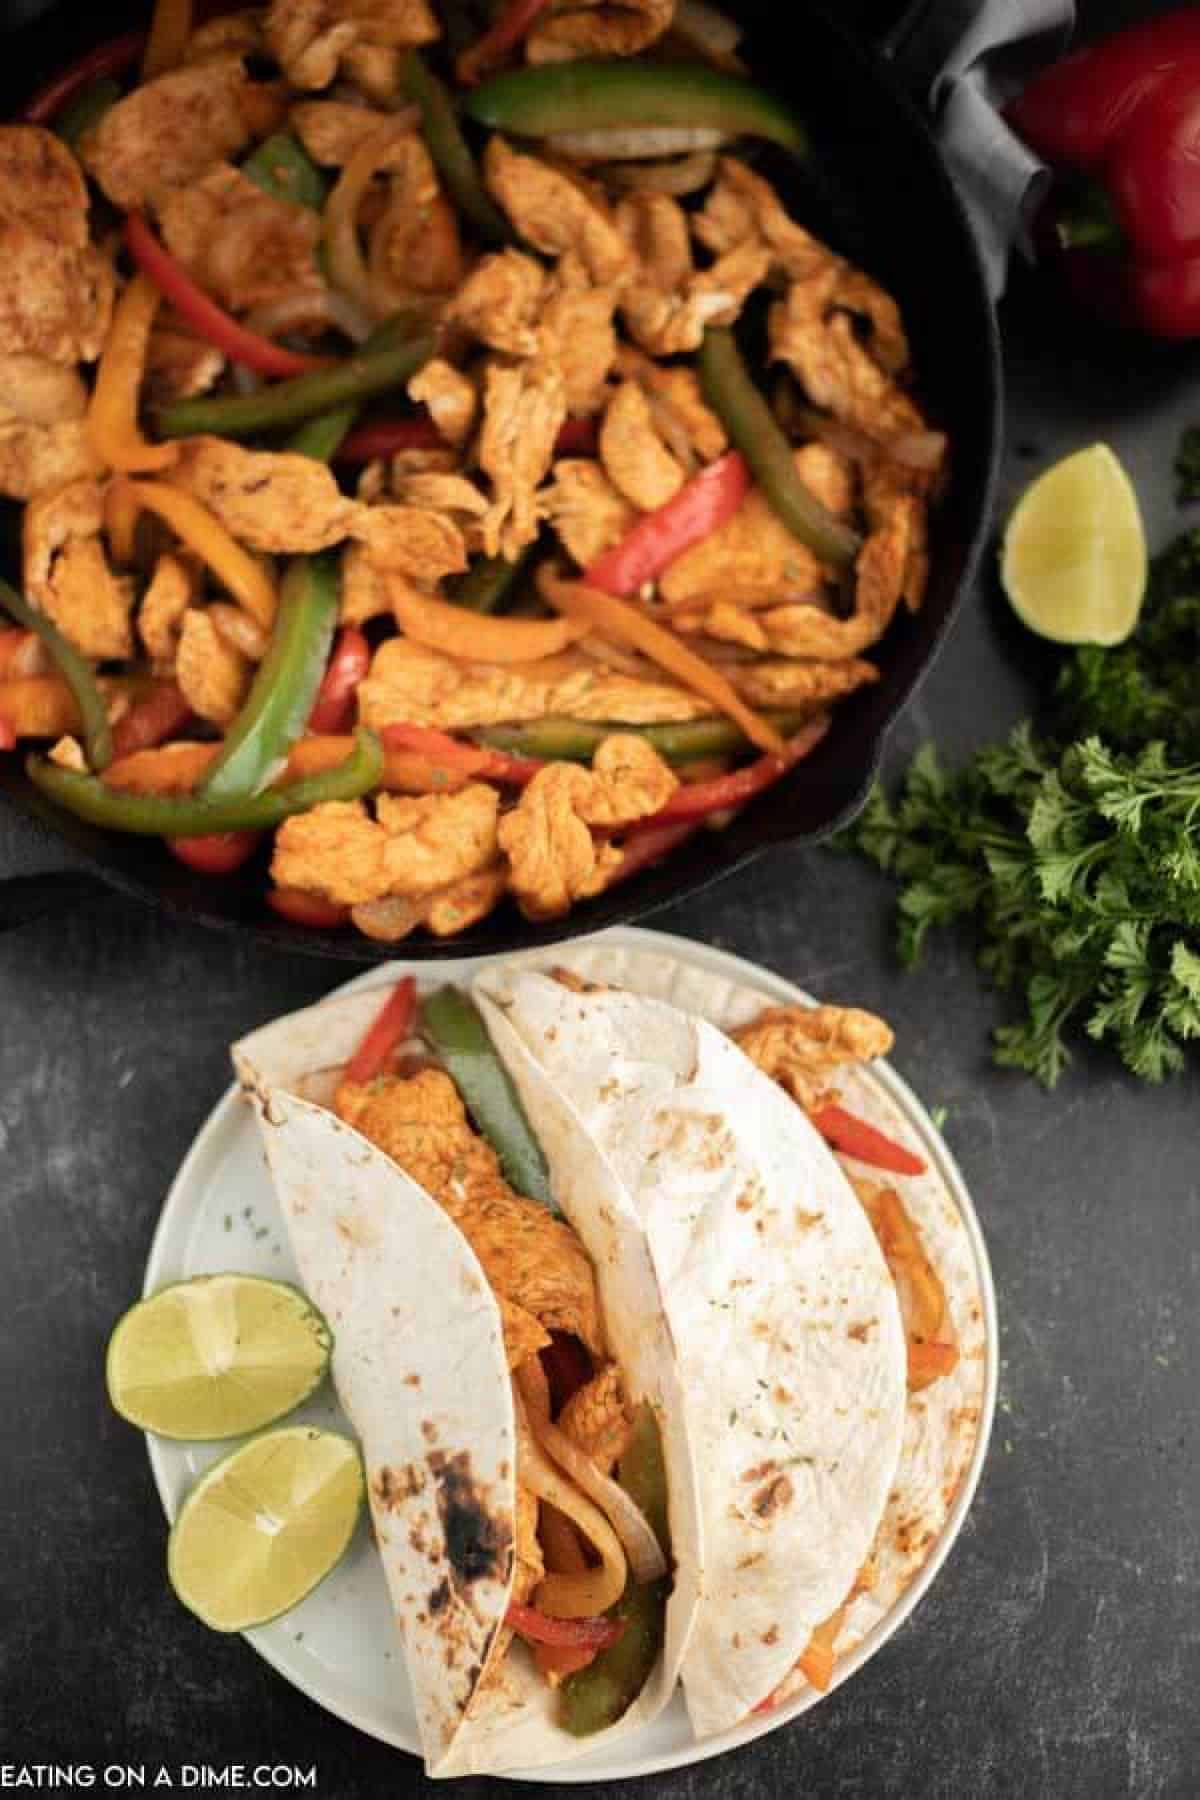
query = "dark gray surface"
x=1059 y=1653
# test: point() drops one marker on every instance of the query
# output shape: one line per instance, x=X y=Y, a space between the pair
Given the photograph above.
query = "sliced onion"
x=594 y=1591
x=626 y=662
x=302 y=312
x=347 y=265
x=922 y=450
x=706 y=28
x=627 y=1520
x=623 y=143
x=678 y=175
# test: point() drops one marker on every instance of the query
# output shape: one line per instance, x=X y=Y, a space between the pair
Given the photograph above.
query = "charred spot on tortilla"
x=861 y=1331
x=439 y=1598
x=413 y=1380
x=772 y=1497
x=429 y=1431
x=478 y=1542
x=390 y=1488
x=770 y=1636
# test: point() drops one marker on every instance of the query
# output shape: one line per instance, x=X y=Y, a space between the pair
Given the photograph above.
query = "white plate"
x=339 y=1645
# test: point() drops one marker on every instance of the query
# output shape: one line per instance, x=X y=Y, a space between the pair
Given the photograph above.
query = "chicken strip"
x=445 y=912
x=414 y=541
x=411 y=684
x=67 y=575
x=42 y=186
x=635 y=459
x=173 y=587
x=585 y=509
x=570 y=28
x=332 y=130
x=55 y=302
x=310 y=38
x=500 y=302
x=820 y=344
x=450 y=396
x=676 y=390
x=269 y=500
x=656 y=228
x=798 y=1046
x=43 y=442
x=214 y=677
x=335 y=850
x=242 y=245
x=167 y=132
x=556 y=211
x=596 y=1419
x=792 y=682
x=415 y=847
x=523 y=411
x=578 y=335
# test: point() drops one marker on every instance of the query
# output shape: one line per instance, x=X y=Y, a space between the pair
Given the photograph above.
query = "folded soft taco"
x=463 y=1306
x=706 y=1133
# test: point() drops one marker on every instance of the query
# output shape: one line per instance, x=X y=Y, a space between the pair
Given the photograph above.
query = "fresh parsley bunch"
x=1074 y=851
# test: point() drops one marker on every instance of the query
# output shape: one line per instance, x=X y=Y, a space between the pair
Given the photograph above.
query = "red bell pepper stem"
x=513 y=24
x=8 y=734
x=595 y=1633
x=697 y=799
x=151 y=721
x=204 y=315
x=112 y=58
x=854 y=1137
x=392 y=1025
x=469 y=759
x=333 y=711
x=216 y=852
x=655 y=542
x=384 y=437
x=311 y=910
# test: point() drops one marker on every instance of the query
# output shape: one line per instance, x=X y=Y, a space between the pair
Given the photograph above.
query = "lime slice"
x=1074 y=559
x=216 y=1356
x=264 y=1525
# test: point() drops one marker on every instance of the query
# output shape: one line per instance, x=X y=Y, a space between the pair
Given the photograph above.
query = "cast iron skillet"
x=881 y=195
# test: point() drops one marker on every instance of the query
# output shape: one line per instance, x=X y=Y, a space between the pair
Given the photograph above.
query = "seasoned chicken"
x=410 y=540
x=433 y=491
x=741 y=208
x=569 y=28
x=242 y=245
x=310 y=38
x=500 y=302
x=899 y=522
x=449 y=395
x=753 y=559
x=270 y=500
x=445 y=912
x=43 y=443
x=635 y=459
x=628 y=781
x=173 y=587
x=523 y=412
x=55 y=302
x=669 y=321
x=554 y=860
x=578 y=335
x=366 y=594
x=214 y=677
x=656 y=228
x=335 y=850
x=797 y=1046
x=166 y=133
x=530 y=1565
x=675 y=392
x=818 y=340
x=523 y=1336
x=410 y=684
x=595 y=1418
x=528 y=1256
x=332 y=130
x=67 y=575
x=724 y=621
x=42 y=186
x=239 y=630
x=585 y=509
x=415 y=247
x=237 y=31
x=556 y=211
x=413 y=848
x=178 y=365
x=792 y=682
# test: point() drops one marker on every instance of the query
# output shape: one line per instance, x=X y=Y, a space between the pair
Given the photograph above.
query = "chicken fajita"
x=452 y=470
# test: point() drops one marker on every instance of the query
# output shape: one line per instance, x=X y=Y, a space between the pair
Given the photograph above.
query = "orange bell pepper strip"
x=112 y=424
x=122 y=509
x=854 y=1137
x=170 y=29
x=404 y=771
x=162 y=769
x=470 y=762
x=816 y=1662
x=929 y=1361
x=616 y=618
x=922 y=1296
x=241 y=574
x=474 y=637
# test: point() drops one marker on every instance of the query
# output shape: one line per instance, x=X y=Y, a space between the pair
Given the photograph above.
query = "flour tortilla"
x=942 y=1422
x=420 y=1368
x=782 y=1310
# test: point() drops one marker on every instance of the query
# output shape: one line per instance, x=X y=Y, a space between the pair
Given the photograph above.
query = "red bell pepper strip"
x=697 y=799
x=595 y=1633
x=204 y=315
x=563 y=1659
x=509 y=29
x=351 y=659
x=384 y=437
x=468 y=759
x=697 y=510
x=311 y=910
x=578 y=437
x=646 y=845
x=392 y=1025
x=151 y=721
x=854 y=1137
x=215 y=853
x=1074 y=111
x=112 y=58
x=8 y=735
x=567 y=1367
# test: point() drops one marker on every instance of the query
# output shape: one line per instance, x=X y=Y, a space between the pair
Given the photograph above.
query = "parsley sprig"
x=1074 y=851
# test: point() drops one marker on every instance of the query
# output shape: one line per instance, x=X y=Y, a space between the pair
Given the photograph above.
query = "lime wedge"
x=1074 y=558
x=216 y=1356
x=264 y=1525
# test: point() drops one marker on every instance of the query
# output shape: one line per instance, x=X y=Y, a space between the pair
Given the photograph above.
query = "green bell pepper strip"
x=577 y=740
x=87 y=110
x=196 y=815
x=488 y=582
x=282 y=168
x=752 y=426
x=285 y=685
x=321 y=437
x=451 y=1024
x=598 y=1695
x=75 y=670
x=591 y=95
x=302 y=397
x=450 y=151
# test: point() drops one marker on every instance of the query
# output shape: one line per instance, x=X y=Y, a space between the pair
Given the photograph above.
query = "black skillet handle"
x=40 y=874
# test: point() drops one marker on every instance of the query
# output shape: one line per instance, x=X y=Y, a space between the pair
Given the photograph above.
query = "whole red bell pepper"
x=1120 y=124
